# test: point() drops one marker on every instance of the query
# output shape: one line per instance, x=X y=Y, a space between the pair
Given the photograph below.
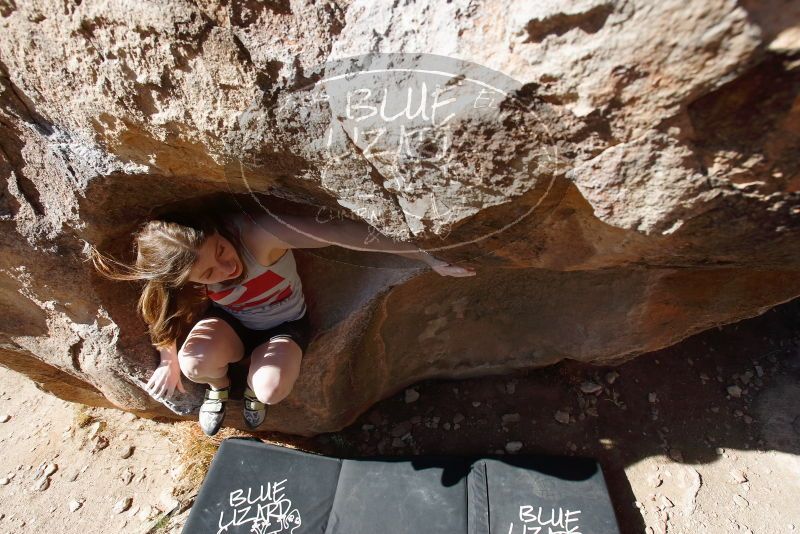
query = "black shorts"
x=299 y=330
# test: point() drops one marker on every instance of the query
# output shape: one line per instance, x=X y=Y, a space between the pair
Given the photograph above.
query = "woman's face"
x=216 y=262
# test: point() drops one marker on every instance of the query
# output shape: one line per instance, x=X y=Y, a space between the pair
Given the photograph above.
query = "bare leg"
x=209 y=348
x=274 y=367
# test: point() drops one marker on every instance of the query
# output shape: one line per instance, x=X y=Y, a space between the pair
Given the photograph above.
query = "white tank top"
x=268 y=296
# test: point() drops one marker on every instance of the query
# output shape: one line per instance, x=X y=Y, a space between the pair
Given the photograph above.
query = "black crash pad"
x=256 y=488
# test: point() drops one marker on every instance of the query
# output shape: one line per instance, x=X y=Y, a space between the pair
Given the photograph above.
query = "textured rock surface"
x=663 y=199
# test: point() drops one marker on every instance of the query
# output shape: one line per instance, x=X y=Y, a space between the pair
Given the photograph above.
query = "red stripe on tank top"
x=219 y=295
x=253 y=288
x=287 y=292
x=253 y=303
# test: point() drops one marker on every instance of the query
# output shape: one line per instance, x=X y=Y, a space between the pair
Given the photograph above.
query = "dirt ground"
x=59 y=476
x=701 y=437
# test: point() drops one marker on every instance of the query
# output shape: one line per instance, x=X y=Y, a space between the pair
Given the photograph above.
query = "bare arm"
x=307 y=232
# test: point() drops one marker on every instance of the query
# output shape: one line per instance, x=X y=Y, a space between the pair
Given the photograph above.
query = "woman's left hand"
x=448 y=269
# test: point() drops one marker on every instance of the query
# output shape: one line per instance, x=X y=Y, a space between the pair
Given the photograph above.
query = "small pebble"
x=145 y=513
x=95 y=428
x=39 y=472
x=122 y=505
x=167 y=499
x=412 y=395
x=4 y=418
x=177 y=472
x=746 y=377
x=4 y=481
x=590 y=387
x=562 y=417
x=739 y=476
x=735 y=391
x=42 y=485
x=611 y=376
x=654 y=479
x=401 y=428
x=74 y=505
x=127 y=452
x=100 y=443
x=513 y=446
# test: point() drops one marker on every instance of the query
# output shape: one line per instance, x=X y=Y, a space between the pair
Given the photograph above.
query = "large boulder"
x=626 y=175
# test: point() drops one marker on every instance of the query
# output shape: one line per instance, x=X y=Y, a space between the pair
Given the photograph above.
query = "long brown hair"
x=166 y=248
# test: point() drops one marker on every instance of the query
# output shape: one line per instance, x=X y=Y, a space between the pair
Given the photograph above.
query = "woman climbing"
x=243 y=264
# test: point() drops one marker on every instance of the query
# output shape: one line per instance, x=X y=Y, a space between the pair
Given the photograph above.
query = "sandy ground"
x=703 y=437
x=88 y=470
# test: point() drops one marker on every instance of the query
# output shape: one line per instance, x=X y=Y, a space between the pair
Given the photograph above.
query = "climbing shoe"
x=253 y=410
x=212 y=412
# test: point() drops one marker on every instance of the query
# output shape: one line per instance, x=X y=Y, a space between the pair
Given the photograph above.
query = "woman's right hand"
x=167 y=376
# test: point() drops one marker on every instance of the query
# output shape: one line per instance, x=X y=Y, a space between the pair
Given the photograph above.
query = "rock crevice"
x=628 y=177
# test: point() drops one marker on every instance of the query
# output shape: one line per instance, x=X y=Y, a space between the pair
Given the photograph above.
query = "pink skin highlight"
x=237 y=269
